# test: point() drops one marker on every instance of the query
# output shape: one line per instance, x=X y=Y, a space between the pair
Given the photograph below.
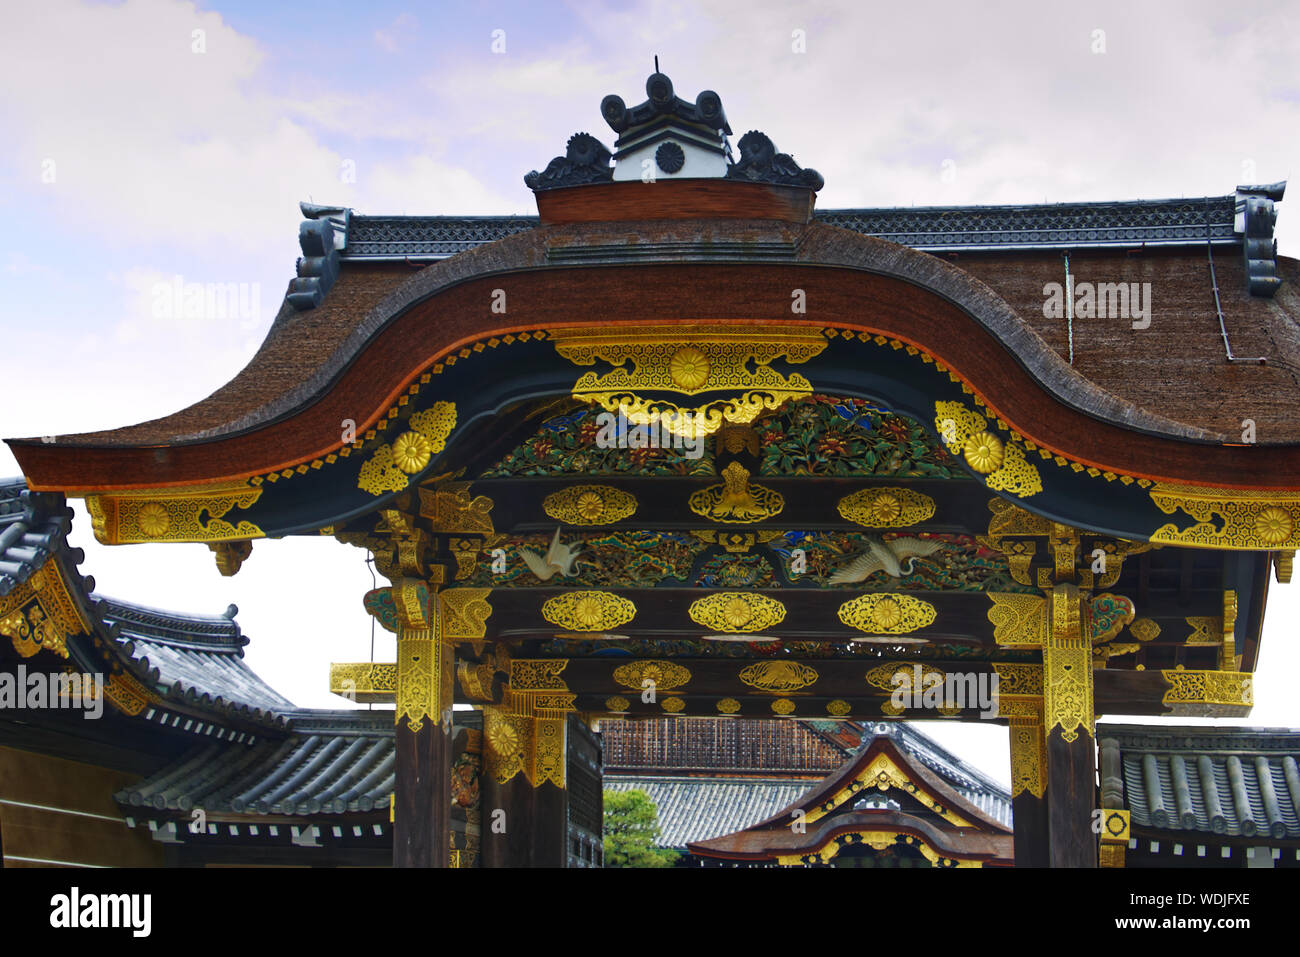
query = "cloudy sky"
x=152 y=139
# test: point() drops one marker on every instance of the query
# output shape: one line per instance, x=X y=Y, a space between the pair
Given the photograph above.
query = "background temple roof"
x=1235 y=782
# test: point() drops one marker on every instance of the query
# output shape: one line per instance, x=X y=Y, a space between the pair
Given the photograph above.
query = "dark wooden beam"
x=1071 y=799
x=422 y=797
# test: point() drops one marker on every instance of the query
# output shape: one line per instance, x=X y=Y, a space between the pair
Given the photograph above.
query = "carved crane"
x=895 y=557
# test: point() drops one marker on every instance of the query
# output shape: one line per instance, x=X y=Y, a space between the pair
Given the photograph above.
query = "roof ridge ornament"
x=668 y=137
x=1256 y=217
x=761 y=163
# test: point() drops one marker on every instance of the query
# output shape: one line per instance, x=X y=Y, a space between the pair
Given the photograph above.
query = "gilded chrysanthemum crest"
x=590 y=505
x=737 y=612
x=888 y=507
x=887 y=614
x=588 y=610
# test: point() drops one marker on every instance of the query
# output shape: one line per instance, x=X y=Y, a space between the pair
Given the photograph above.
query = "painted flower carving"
x=689 y=368
x=154 y=519
x=411 y=452
x=984 y=452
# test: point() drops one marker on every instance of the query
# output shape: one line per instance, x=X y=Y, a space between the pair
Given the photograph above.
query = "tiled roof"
x=32 y=528
x=1235 y=782
x=721 y=745
x=1158 y=222
x=198 y=658
x=697 y=808
x=970 y=782
x=333 y=763
x=656 y=755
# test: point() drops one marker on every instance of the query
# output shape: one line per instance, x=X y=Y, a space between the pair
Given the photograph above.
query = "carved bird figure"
x=559 y=558
x=895 y=557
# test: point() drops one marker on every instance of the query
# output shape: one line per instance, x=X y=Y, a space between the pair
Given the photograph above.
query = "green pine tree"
x=631 y=827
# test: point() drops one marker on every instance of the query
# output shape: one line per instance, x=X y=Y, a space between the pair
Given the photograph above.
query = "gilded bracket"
x=173 y=514
x=40 y=614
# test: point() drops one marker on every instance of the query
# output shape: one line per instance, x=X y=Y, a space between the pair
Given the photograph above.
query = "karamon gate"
x=681 y=446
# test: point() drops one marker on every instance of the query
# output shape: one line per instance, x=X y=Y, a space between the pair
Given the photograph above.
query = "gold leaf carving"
x=588 y=611
x=1018 y=619
x=1003 y=465
x=389 y=467
x=728 y=705
x=173 y=515
x=737 y=612
x=779 y=676
x=1144 y=629
x=888 y=507
x=736 y=500
x=881 y=614
x=733 y=360
x=783 y=706
x=590 y=505
x=465 y=613
x=1209 y=694
x=1249 y=519
x=882 y=677
x=665 y=675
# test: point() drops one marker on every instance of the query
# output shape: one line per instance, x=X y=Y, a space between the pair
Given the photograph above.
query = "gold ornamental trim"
x=879 y=840
x=838 y=708
x=737 y=612
x=1000 y=463
x=665 y=675
x=882 y=677
x=778 y=677
x=887 y=614
x=365 y=681
x=729 y=365
x=673 y=705
x=193 y=514
x=425 y=679
x=1015 y=680
x=590 y=505
x=1209 y=694
x=1067 y=667
x=390 y=466
x=617 y=704
x=736 y=501
x=40 y=614
x=888 y=507
x=465 y=613
x=783 y=707
x=588 y=611
x=728 y=706
x=884 y=774
x=1144 y=629
x=1018 y=620
x=1228 y=518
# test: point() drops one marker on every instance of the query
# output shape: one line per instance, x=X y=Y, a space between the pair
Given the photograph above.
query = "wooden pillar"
x=422 y=797
x=525 y=801
x=1068 y=721
x=1028 y=780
